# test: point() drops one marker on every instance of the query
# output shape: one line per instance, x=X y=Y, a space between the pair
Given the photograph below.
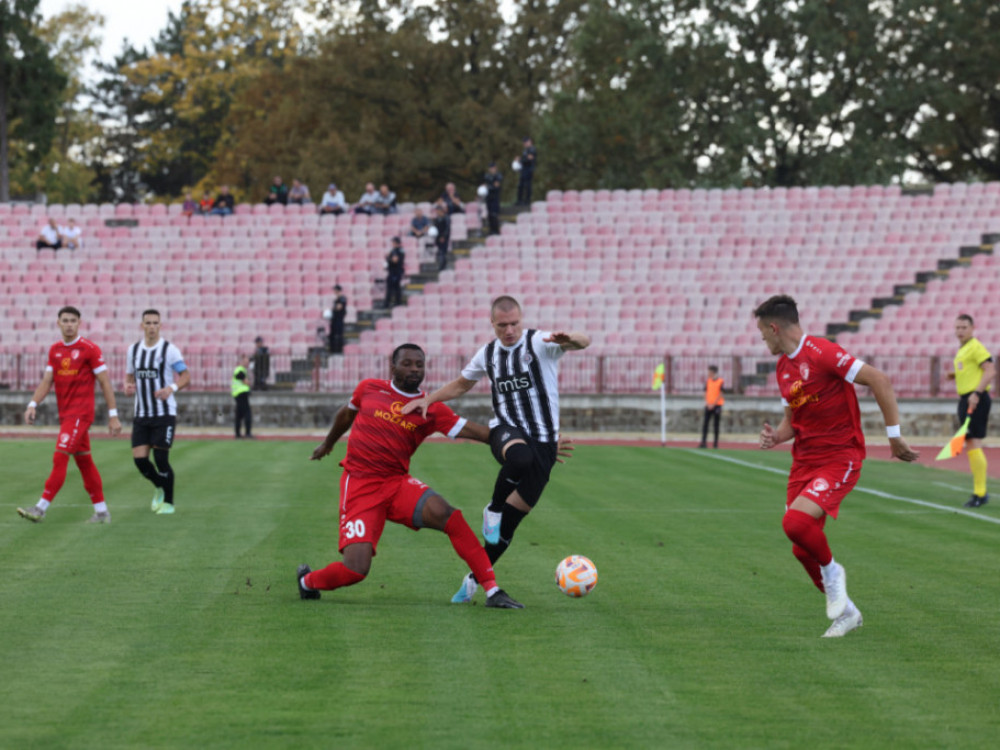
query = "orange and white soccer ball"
x=576 y=575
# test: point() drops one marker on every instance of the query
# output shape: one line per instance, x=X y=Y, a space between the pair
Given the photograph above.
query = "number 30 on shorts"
x=354 y=529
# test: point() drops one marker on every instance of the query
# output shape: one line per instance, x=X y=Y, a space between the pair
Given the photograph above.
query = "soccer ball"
x=576 y=576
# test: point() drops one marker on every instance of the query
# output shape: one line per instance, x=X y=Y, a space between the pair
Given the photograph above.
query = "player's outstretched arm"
x=341 y=423
x=454 y=389
x=885 y=397
x=568 y=340
x=475 y=431
x=36 y=398
x=114 y=424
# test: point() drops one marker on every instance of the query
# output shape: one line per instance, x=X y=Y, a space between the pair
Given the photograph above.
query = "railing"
x=580 y=373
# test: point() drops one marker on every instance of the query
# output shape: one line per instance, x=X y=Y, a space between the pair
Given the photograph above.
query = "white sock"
x=43 y=504
x=827 y=568
x=492 y=591
x=101 y=507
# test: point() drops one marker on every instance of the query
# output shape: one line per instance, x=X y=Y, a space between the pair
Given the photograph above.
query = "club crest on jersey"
x=527 y=358
x=804 y=371
x=818 y=487
x=75 y=353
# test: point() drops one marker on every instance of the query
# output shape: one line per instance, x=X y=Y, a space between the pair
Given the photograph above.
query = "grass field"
x=703 y=632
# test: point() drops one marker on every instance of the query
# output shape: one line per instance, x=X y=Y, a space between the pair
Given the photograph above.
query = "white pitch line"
x=876 y=493
x=963 y=490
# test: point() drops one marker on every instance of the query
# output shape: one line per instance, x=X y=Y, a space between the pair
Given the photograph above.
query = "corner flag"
x=658 y=377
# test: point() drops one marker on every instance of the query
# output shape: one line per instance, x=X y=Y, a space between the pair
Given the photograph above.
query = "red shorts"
x=74 y=436
x=367 y=502
x=825 y=485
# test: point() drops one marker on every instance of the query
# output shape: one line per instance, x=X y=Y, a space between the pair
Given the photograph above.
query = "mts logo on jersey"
x=519 y=381
x=147 y=374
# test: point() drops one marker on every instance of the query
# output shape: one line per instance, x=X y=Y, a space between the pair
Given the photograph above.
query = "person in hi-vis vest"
x=713 y=405
x=241 y=393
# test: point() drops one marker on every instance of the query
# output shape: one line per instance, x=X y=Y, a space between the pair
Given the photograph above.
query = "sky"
x=137 y=21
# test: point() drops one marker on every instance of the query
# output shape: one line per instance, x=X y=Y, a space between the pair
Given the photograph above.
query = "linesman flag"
x=658 y=377
x=955 y=445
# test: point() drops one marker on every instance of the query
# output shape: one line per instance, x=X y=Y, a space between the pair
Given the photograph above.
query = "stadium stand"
x=647 y=272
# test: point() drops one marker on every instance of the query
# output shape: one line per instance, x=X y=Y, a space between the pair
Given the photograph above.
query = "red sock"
x=55 y=481
x=463 y=539
x=806 y=533
x=91 y=477
x=811 y=566
x=333 y=576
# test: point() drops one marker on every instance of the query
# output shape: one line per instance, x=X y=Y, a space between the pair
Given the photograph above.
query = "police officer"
x=241 y=393
x=493 y=180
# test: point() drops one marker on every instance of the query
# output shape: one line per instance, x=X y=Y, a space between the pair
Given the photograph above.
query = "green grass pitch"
x=703 y=631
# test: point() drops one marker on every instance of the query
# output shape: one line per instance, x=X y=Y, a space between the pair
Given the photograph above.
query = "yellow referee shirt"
x=969 y=366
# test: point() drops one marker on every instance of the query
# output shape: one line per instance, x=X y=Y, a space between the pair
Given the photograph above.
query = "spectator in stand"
x=224 y=204
x=71 y=235
x=205 y=204
x=385 y=201
x=419 y=224
x=337 y=315
x=299 y=194
x=395 y=267
x=442 y=235
x=333 y=201
x=190 y=206
x=48 y=237
x=493 y=181
x=529 y=156
x=451 y=200
x=278 y=193
x=366 y=203
x=261 y=364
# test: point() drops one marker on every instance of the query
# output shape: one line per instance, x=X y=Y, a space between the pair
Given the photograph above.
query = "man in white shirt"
x=70 y=235
x=333 y=201
x=48 y=237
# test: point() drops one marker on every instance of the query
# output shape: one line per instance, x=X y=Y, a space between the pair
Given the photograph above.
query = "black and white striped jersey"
x=154 y=368
x=525 y=380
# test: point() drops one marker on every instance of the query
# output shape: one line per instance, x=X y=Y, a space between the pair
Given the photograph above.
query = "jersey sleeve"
x=550 y=348
x=97 y=363
x=359 y=392
x=444 y=420
x=175 y=360
x=835 y=360
x=130 y=360
x=476 y=369
x=980 y=353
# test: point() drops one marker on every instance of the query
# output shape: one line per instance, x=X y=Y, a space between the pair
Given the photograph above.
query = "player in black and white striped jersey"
x=523 y=368
x=154 y=372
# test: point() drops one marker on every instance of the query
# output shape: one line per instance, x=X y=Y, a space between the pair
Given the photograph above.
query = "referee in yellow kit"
x=973 y=375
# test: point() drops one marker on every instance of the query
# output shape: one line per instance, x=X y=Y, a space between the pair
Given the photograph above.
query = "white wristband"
x=32 y=404
x=893 y=431
x=112 y=413
x=174 y=388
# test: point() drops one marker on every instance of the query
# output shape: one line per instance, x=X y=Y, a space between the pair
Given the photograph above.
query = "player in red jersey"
x=74 y=363
x=816 y=379
x=376 y=485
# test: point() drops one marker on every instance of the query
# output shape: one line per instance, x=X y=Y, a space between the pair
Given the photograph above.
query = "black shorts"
x=545 y=458
x=977 y=426
x=155 y=431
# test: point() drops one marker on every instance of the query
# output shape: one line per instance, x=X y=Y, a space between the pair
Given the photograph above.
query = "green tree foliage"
x=31 y=86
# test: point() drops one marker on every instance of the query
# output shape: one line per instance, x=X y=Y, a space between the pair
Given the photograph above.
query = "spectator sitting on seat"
x=70 y=235
x=224 y=202
x=451 y=200
x=205 y=204
x=385 y=201
x=278 y=193
x=419 y=224
x=190 y=207
x=332 y=202
x=366 y=203
x=48 y=237
x=299 y=193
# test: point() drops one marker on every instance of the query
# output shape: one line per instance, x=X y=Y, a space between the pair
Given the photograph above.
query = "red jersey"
x=74 y=367
x=816 y=383
x=382 y=440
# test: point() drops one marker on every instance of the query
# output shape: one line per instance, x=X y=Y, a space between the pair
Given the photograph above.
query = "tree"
x=30 y=88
